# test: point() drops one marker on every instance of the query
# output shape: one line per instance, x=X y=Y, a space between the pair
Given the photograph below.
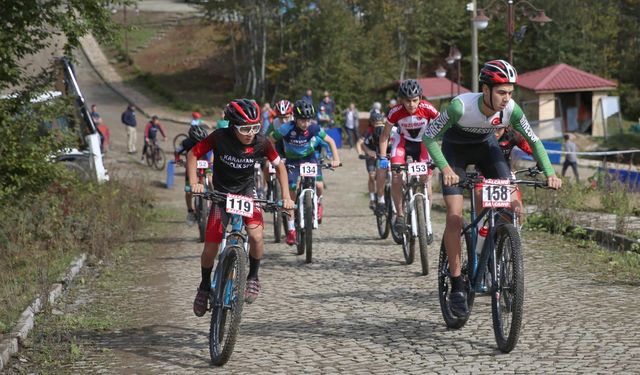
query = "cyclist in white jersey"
x=469 y=125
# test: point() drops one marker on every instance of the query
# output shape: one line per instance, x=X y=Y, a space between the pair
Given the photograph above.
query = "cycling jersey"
x=412 y=126
x=234 y=162
x=151 y=130
x=510 y=139
x=298 y=144
x=463 y=123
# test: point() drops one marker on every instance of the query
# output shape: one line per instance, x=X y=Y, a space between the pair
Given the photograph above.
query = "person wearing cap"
x=196 y=118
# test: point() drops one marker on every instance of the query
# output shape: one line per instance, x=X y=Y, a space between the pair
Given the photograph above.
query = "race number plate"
x=202 y=164
x=496 y=193
x=417 y=169
x=239 y=205
x=272 y=169
x=308 y=169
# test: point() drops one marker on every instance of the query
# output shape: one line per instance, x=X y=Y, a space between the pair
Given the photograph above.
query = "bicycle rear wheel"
x=177 y=140
x=507 y=299
x=227 y=307
x=450 y=319
x=422 y=234
x=308 y=225
x=382 y=222
x=160 y=159
x=149 y=156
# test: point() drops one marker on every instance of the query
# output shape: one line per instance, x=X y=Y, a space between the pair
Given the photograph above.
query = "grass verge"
x=41 y=234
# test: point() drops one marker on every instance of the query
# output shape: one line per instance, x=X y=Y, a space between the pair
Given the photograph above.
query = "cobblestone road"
x=358 y=308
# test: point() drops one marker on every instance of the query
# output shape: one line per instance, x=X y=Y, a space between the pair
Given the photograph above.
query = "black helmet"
x=197 y=133
x=242 y=112
x=303 y=110
x=409 y=89
x=376 y=117
x=377 y=132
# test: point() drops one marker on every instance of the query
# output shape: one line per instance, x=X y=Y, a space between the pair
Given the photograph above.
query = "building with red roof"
x=561 y=98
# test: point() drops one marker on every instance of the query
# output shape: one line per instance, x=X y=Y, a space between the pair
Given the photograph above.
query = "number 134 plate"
x=239 y=205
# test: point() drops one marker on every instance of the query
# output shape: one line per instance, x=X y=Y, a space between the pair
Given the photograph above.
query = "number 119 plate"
x=239 y=205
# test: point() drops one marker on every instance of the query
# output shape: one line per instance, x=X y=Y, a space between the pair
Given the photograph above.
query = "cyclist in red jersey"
x=412 y=117
x=236 y=149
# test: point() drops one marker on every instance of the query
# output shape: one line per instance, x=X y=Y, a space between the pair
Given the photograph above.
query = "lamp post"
x=481 y=20
x=454 y=58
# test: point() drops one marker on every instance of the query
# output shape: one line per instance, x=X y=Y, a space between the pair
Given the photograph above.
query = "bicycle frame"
x=232 y=238
x=410 y=193
x=478 y=267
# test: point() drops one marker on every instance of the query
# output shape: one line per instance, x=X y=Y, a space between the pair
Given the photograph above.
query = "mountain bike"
x=258 y=179
x=497 y=268
x=306 y=215
x=417 y=211
x=275 y=194
x=155 y=156
x=228 y=283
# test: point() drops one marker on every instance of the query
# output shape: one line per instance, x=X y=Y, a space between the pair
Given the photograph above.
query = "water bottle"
x=482 y=235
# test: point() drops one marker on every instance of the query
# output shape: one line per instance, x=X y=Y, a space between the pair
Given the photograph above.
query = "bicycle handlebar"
x=470 y=181
x=217 y=197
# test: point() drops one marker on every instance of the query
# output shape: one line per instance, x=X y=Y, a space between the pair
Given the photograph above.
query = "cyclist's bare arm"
x=334 y=150
x=281 y=175
x=384 y=137
x=191 y=171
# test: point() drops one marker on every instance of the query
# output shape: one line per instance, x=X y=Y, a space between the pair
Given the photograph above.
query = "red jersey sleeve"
x=523 y=145
x=204 y=146
x=146 y=130
x=272 y=154
x=395 y=114
x=162 y=130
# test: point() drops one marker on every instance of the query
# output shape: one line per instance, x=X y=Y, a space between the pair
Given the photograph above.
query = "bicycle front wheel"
x=227 y=307
x=202 y=208
x=422 y=234
x=308 y=225
x=444 y=288
x=507 y=299
x=177 y=140
x=160 y=159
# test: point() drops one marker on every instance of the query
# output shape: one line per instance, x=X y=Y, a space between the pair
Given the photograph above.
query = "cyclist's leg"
x=213 y=238
x=255 y=228
x=292 y=176
x=370 y=164
x=398 y=156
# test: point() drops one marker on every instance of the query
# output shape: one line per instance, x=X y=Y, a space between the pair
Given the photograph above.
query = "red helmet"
x=196 y=115
x=242 y=112
x=496 y=72
x=284 y=108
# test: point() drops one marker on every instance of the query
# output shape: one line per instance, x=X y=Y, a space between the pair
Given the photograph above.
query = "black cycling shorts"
x=487 y=157
x=371 y=164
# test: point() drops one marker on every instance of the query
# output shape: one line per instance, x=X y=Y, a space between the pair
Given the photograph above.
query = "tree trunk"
x=263 y=63
x=402 y=51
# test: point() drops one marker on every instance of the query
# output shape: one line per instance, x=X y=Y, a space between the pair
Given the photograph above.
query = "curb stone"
x=18 y=334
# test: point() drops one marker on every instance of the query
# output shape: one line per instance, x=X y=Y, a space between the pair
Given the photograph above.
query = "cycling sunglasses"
x=248 y=129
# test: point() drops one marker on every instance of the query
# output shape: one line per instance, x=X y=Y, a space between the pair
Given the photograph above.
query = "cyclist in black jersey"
x=236 y=150
x=196 y=134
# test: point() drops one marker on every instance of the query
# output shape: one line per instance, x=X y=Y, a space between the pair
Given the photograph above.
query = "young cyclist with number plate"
x=236 y=150
x=412 y=117
x=196 y=134
x=299 y=146
x=469 y=125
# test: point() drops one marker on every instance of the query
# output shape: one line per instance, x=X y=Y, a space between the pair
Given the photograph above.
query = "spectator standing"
x=128 y=118
x=324 y=120
x=351 y=124
x=95 y=116
x=308 y=97
x=570 y=158
x=105 y=143
x=329 y=105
